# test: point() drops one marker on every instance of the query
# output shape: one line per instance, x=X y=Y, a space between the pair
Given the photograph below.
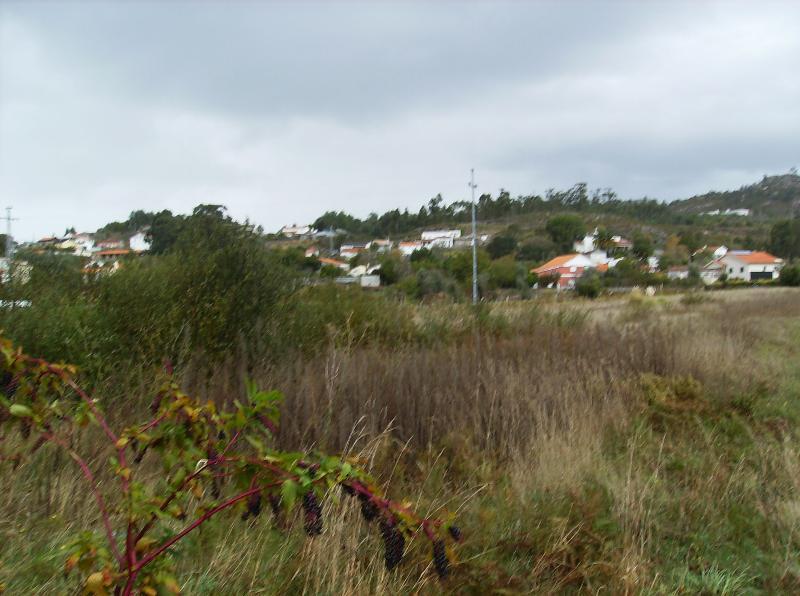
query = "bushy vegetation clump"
x=210 y=460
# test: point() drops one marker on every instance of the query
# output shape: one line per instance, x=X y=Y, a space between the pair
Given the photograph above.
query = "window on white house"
x=741 y=269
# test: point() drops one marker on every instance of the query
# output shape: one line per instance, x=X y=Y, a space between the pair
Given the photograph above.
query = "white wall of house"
x=434 y=234
x=678 y=274
x=139 y=242
x=598 y=257
x=586 y=244
x=736 y=269
x=407 y=248
x=441 y=242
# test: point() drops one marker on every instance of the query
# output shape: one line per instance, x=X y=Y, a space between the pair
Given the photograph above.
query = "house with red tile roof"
x=566 y=268
x=751 y=265
x=334 y=263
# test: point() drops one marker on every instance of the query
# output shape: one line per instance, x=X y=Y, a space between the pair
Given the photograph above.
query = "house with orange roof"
x=751 y=265
x=407 y=248
x=334 y=263
x=566 y=269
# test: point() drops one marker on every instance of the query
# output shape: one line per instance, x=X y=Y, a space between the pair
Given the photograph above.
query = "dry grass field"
x=638 y=445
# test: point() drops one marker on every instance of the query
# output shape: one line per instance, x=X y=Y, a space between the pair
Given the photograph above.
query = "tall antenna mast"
x=472 y=187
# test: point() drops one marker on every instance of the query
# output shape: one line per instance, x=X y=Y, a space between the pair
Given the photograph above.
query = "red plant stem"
x=232 y=442
x=87 y=473
x=389 y=505
x=152 y=423
x=54 y=370
x=202 y=519
x=130 y=551
x=175 y=493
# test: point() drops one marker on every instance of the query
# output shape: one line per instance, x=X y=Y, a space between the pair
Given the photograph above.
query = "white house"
x=407 y=248
x=139 y=242
x=751 y=265
x=739 y=212
x=84 y=244
x=334 y=263
x=434 y=234
x=348 y=251
x=711 y=272
x=678 y=272
x=440 y=238
x=381 y=245
x=717 y=252
x=586 y=244
x=598 y=257
x=295 y=230
x=566 y=268
x=621 y=243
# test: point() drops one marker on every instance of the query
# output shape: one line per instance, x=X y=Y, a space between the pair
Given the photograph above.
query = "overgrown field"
x=651 y=447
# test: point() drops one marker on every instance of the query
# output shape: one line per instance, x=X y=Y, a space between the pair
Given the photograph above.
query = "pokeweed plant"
x=211 y=461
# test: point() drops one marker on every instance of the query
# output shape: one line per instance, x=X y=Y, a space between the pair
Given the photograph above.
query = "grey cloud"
x=282 y=111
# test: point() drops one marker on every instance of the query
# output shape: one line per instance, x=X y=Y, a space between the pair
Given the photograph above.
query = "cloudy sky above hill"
x=283 y=111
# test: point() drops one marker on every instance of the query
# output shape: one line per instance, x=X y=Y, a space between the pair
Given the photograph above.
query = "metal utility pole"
x=472 y=187
x=9 y=241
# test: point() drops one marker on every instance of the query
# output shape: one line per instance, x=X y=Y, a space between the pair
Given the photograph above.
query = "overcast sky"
x=283 y=111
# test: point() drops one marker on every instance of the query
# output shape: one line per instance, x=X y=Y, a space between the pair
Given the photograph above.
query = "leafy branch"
x=210 y=461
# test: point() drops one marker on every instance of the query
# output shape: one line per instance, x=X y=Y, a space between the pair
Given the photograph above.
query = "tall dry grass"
x=512 y=414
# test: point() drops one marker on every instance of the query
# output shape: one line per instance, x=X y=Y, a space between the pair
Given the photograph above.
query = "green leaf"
x=288 y=493
x=20 y=411
x=257 y=445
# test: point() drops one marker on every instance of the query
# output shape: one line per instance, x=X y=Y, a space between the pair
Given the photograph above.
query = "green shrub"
x=589 y=285
x=344 y=314
x=505 y=273
x=790 y=275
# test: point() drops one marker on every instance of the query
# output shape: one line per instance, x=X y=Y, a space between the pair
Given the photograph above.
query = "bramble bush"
x=211 y=461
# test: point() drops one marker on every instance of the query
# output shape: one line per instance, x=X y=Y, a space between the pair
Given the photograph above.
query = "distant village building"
x=140 y=241
x=738 y=212
x=585 y=244
x=348 y=251
x=103 y=257
x=365 y=281
x=598 y=257
x=751 y=265
x=381 y=245
x=410 y=247
x=440 y=238
x=312 y=251
x=589 y=245
x=717 y=252
x=621 y=243
x=48 y=241
x=294 y=230
x=112 y=243
x=676 y=272
x=711 y=272
x=466 y=241
x=335 y=263
x=84 y=244
x=568 y=268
